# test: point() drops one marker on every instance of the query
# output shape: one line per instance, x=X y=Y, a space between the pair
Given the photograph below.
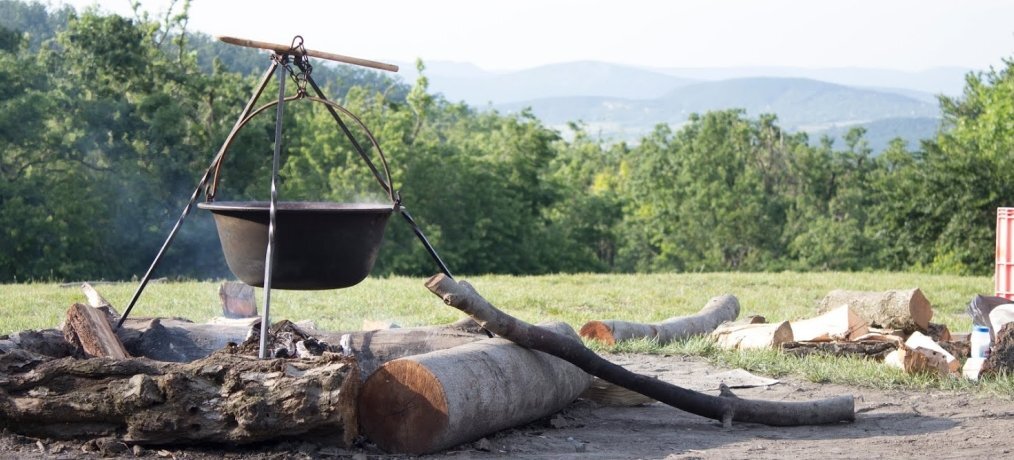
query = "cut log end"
x=597 y=330
x=402 y=406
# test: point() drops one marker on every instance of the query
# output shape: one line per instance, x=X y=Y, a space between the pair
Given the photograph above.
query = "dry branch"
x=718 y=310
x=726 y=407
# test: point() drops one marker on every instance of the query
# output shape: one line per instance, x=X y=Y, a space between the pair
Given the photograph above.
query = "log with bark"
x=224 y=398
x=717 y=311
x=752 y=336
x=88 y=329
x=908 y=310
x=425 y=403
x=837 y=324
x=726 y=407
x=871 y=349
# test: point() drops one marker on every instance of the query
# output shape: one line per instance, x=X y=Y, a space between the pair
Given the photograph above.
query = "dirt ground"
x=889 y=424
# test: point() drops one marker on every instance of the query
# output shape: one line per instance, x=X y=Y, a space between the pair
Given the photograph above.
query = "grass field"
x=575 y=299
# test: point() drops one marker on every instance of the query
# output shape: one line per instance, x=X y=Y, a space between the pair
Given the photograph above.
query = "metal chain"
x=302 y=61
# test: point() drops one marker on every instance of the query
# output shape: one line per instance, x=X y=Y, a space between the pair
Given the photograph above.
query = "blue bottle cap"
x=981 y=329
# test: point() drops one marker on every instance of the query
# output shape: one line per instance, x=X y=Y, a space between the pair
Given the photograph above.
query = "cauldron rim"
x=298 y=206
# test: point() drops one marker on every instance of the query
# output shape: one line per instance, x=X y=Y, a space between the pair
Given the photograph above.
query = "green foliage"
x=106 y=124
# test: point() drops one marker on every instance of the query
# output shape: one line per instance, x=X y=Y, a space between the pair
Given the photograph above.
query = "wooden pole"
x=425 y=403
x=726 y=407
x=717 y=311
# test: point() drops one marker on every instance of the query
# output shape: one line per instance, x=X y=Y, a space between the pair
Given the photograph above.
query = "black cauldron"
x=317 y=245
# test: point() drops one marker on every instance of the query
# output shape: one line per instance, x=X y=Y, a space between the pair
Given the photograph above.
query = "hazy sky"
x=514 y=34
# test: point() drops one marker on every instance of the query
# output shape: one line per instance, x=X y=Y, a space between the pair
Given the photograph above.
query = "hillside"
x=801 y=105
x=464 y=82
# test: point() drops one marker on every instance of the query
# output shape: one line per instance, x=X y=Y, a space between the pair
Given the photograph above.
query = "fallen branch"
x=726 y=408
x=717 y=311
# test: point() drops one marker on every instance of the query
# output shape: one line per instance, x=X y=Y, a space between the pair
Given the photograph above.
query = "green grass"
x=574 y=299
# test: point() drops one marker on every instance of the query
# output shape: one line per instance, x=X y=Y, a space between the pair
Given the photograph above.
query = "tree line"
x=107 y=123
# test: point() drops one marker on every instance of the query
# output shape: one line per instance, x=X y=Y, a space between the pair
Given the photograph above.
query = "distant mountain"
x=624 y=103
x=937 y=80
x=800 y=104
x=463 y=82
x=880 y=133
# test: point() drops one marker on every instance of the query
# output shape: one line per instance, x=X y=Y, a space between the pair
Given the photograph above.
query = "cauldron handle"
x=387 y=184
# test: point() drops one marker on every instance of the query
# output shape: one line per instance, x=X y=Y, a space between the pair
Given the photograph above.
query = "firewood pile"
x=890 y=326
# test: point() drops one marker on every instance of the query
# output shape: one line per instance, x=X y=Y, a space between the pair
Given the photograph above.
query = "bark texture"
x=908 y=310
x=425 y=403
x=717 y=311
x=225 y=398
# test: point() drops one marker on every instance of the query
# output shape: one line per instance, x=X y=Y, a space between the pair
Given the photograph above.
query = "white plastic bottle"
x=979 y=341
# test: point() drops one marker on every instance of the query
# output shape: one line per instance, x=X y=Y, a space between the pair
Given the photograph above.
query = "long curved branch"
x=726 y=407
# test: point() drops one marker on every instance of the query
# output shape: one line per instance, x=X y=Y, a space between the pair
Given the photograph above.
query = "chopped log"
x=752 y=336
x=95 y=299
x=225 y=398
x=835 y=325
x=939 y=332
x=957 y=348
x=718 y=310
x=871 y=349
x=1001 y=352
x=726 y=407
x=908 y=310
x=921 y=354
x=89 y=329
x=238 y=300
x=424 y=403
x=920 y=343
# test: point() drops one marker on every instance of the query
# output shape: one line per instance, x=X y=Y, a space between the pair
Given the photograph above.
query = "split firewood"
x=921 y=354
x=238 y=300
x=752 y=336
x=908 y=310
x=839 y=324
x=1001 y=352
x=871 y=349
x=939 y=332
x=424 y=403
x=88 y=328
x=718 y=310
x=726 y=407
x=96 y=300
x=225 y=398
